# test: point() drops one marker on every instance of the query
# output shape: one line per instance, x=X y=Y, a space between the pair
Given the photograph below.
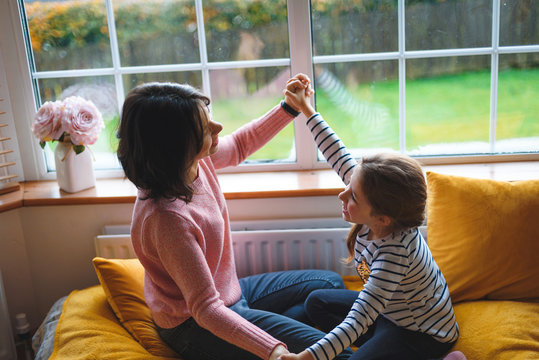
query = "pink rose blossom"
x=47 y=123
x=81 y=120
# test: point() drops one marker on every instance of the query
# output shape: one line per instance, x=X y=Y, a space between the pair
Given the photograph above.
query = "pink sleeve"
x=236 y=147
x=183 y=258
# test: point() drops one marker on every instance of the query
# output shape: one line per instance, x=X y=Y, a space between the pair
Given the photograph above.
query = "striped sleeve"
x=331 y=147
x=389 y=267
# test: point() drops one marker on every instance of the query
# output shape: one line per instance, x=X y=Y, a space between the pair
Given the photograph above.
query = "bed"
x=109 y=320
x=494 y=291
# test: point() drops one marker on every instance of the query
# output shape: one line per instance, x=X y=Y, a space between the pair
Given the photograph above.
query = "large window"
x=431 y=78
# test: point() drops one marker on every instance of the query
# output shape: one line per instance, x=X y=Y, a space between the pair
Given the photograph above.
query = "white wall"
x=47 y=251
x=15 y=266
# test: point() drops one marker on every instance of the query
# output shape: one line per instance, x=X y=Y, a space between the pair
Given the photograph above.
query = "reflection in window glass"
x=241 y=95
x=360 y=101
x=156 y=32
x=68 y=34
x=101 y=91
x=246 y=30
x=518 y=22
x=517 y=126
x=448 y=24
x=448 y=105
x=356 y=26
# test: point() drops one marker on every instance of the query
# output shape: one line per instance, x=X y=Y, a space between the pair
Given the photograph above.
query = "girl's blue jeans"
x=272 y=301
x=383 y=340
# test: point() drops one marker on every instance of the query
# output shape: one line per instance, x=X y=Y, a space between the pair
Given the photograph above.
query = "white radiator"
x=263 y=246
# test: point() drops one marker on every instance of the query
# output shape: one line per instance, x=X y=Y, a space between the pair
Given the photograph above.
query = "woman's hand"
x=297 y=93
x=277 y=352
x=304 y=355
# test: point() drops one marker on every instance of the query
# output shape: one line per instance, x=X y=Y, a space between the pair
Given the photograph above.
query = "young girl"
x=169 y=148
x=404 y=310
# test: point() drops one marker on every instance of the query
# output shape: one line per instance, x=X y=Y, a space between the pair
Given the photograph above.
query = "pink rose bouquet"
x=73 y=120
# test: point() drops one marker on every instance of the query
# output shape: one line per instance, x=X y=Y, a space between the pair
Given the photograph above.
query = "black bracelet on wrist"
x=289 y=109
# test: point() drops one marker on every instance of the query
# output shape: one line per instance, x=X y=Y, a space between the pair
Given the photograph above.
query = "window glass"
x=68 y=34
x=448 y=24
x=518 y=22
x=518 y=109
x=241 y=95
x=242 y=62
x=102 y=92
x=156 y=32
x=246 y=30
x=361 y=102
x=347 y=27
x=448 y=105
x=193 y=78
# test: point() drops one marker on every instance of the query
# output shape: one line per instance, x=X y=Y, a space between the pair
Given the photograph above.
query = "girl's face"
x=211 y=135
x=355 y=207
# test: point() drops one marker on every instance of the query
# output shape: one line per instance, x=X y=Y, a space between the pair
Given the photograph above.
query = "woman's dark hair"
x=394 y=186
x=161 y=131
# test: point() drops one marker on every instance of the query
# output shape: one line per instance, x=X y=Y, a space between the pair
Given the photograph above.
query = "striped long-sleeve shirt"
x=405 y=285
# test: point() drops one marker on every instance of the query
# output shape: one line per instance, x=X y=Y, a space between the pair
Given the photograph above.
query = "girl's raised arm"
x=331 y=147
x=297 y=92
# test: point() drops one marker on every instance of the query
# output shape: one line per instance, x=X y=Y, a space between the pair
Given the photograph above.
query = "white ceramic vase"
x=74 y=172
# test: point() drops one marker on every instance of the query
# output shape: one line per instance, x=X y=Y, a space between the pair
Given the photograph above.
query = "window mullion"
x=494 y=73
x=206 y=87
x=116 y=64
x=300 y=42
x=402 y=76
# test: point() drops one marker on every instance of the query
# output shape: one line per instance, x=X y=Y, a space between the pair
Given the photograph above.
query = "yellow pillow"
x=123 y=282
x=484 y=236
x=353 y=282
x=501 y=330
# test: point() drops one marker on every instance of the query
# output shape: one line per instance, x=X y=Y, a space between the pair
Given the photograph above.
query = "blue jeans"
x=274 y=302
x=383 y=340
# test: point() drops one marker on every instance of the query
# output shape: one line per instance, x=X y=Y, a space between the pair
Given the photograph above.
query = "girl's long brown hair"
x=394 y=186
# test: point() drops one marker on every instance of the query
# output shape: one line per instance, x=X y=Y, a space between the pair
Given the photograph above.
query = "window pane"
x=448 y=105
x=448 y=24
x=347 y=27
x=156 y=32
x=246 y=30
x=518 y=22
x=517 y=126
x=241 y=95
x=68 y=34
x=193 y=78
x=361 y=102
x=101 y=91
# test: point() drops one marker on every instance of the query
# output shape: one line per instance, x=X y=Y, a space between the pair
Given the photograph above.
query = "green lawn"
x=453 y=108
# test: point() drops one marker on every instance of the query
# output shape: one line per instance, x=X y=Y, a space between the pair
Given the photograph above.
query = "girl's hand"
x=301 y=77
x=277 y=352
x=297 y=93
x=304 y=355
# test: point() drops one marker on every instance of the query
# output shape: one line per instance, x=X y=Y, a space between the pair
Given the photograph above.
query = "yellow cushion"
x=88 y=329
x=353 y=282
x=498 y=330
x=484 y=235
x=123 y=283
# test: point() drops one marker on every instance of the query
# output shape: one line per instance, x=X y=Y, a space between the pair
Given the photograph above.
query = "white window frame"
x=301 y=60
x=402 y=55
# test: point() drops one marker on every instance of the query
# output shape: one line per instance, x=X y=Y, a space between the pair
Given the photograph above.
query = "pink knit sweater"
x=186 y=249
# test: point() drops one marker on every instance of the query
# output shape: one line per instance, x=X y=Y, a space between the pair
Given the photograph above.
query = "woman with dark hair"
x=169 y=148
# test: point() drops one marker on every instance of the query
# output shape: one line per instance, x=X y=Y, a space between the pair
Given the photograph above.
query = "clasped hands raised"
x=297 y=92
